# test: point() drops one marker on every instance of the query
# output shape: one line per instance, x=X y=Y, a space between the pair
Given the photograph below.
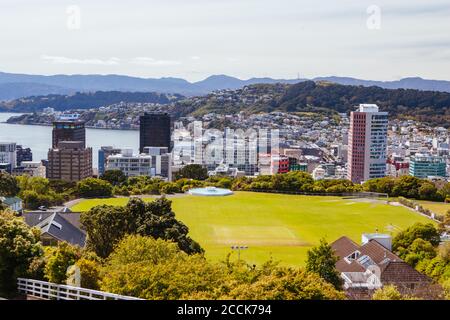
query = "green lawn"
x=436 y=207
x=280 y=226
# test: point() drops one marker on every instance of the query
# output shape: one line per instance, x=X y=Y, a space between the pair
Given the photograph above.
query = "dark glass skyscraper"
x=23 y=154
x=155 y=129
x=68 y=131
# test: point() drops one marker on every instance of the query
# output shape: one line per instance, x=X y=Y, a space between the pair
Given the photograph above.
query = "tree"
x=58 y=260
x=107 y=225
x=381 y=185
x=322 y=260
x=94 y=188
x=156 y=219
x=389 y=292
x=19 y=245
x=157 y=269
x=422 y=231
x=445 y=191
x=37 y=184
x=406 y=186
x=418 y=251
x=285 y=284
x=89 y=273
x=192 y=171
x=33 y=200
x=36 y=192
x=8 y=185
x=427 y=191
x=62 y=186
x=115 y=177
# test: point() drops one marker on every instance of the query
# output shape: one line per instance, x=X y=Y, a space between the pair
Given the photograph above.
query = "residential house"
x=14 y=203
x=372 y=265
x=57 y=226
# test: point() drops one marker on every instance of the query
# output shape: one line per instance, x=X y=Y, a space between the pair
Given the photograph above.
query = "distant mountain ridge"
x=13 y=86
x=85 y=100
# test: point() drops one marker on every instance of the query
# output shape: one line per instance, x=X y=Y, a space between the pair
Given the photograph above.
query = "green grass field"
x=283 y=227
x=436 y=207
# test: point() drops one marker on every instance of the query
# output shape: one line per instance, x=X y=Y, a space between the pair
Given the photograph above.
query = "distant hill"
x=323 y=97
x=13 y=86
x=14 y=90
x=406 y=83
x=84 y=100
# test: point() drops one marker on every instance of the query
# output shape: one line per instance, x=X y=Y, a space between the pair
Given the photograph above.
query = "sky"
x=193 y=39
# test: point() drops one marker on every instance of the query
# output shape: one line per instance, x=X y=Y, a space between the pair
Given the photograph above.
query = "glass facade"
x=423 y=166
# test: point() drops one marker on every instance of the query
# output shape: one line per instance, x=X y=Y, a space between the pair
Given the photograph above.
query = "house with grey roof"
x=56 y=227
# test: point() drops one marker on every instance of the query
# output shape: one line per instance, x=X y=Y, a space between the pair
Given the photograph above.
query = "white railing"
x=53 y=291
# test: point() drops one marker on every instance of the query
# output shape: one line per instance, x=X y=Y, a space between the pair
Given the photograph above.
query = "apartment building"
x=70 y=161
x=367 y=143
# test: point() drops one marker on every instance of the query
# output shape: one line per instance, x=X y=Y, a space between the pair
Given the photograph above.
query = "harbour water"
x=39 y=138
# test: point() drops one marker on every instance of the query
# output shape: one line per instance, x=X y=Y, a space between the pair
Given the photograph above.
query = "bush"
x=8 y=185
x=389 y=292
x=192 y=171
x=422 y=231
x=224 y=183
x=32 y=200
x=19 y=245
x=114 y=177
x=156 y=269
x=58 y=260
x=94 y=188
x=170 y=188
x=90 y=273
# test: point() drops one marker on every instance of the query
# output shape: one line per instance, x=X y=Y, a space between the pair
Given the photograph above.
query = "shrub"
x=58 y=260
x=94 y=188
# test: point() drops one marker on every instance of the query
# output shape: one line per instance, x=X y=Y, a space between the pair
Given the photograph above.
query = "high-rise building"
x=103 y=154
x=23 y=154
x=68 y=131
x=367 y=143
x=70 y=161
x=154 y=131
x=8 y=154
x=426 y=165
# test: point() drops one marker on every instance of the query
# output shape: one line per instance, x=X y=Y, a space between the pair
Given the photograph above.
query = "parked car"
x=43 y=208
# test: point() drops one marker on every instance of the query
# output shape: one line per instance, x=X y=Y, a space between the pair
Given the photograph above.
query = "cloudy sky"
x=192 y=39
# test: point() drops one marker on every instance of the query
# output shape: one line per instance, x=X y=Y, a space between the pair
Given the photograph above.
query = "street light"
x=238 y=249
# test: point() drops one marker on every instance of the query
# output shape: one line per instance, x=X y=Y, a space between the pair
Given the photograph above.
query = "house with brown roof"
x=367 y=267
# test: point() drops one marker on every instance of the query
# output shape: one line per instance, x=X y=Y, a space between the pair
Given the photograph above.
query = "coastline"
x=87 y=127
x=49 y=124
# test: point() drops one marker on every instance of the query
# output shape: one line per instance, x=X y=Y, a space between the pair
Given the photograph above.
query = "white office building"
x=151 y=164
x=8 y=153
x=33 y=168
